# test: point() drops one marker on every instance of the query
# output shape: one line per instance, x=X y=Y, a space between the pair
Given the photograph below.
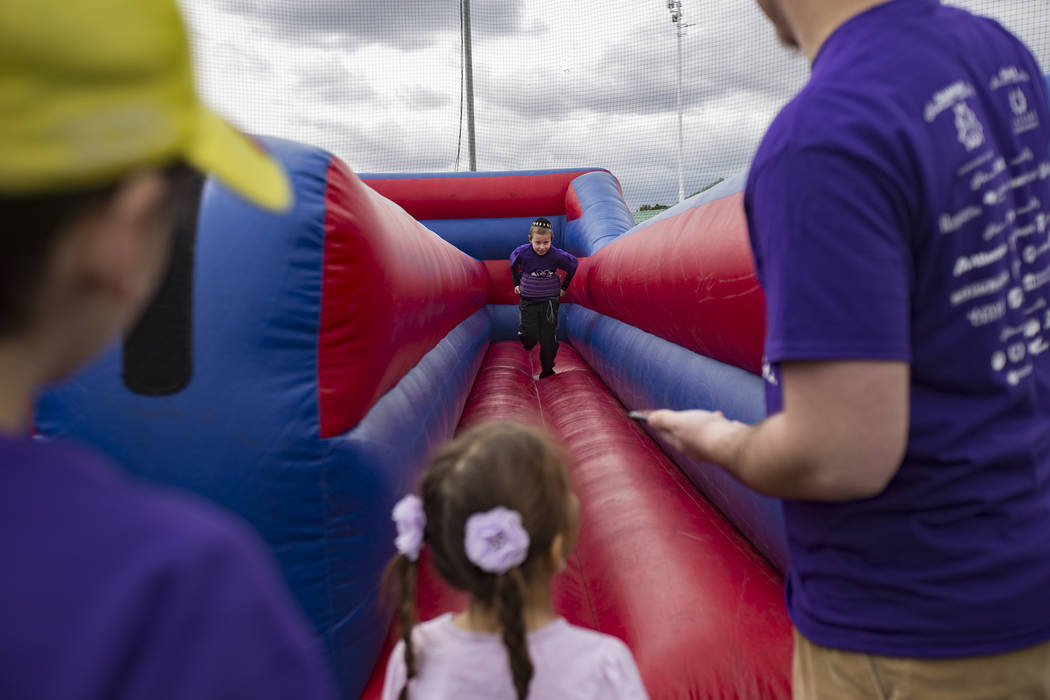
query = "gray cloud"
x=600 y=92
x=407 y=26
x=419 y=98
x=638 y=76
x=332 y=85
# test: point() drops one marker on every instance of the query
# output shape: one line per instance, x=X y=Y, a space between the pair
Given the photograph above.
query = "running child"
x=499 y=518
x=534 y=267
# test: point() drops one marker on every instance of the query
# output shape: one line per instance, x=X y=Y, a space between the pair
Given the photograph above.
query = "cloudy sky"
x=557 y=83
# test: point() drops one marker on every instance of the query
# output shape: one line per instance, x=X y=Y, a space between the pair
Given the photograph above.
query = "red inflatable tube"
x=702 y=611
x=689 y=279
x=474 y=197
x=392 y=290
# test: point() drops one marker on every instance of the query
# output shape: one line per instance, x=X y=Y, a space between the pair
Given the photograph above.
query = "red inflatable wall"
x=474 y=197
x=689 y=279
x=392 y=290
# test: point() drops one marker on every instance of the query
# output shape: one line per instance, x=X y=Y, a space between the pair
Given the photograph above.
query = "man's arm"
x=840 y=437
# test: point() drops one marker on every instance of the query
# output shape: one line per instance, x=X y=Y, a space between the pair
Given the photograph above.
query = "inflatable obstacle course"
x=336 y=346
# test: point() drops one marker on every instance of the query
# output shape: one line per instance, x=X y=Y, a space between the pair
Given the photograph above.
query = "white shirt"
x=569 y=662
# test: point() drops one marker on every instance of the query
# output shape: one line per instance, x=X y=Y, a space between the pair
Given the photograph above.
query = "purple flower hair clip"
x=496 y=541
x=410 y=519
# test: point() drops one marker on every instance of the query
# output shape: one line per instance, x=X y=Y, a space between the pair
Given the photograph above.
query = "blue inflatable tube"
x=370 y=468
x=491 y=239
x=645 y=371
x=603 y=215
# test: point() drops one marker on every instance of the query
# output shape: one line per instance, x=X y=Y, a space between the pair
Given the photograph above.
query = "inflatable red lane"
x=702 y=611
x=392 y=290
x=656 y=564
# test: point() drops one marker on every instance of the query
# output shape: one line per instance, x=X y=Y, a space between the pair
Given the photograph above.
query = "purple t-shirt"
x=111 y=590
x=569 y=663
x=898 y=210
x=537 y=275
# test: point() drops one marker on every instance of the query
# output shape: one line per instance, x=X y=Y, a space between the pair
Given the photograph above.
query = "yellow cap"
x=92 y=89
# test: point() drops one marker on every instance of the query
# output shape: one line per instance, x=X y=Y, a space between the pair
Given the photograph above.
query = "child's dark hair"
x=496 y=464
x=541 y=222
x=29 y=234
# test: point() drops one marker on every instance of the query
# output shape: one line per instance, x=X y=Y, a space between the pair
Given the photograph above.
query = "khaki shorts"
x=829 y=674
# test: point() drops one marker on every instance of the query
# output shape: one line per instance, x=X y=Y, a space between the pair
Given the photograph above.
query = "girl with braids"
x=499 y=518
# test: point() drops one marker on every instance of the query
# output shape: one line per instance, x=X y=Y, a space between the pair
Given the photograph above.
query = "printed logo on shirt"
x=967 y=263
x=947 y=98
x=1024 y=119
x=542 y=274
x=1009 y=75
x=989 y=313
x=971 y=131
x=950 y=223
x=1038 y=347
x=768 y=372
x=1018 y=102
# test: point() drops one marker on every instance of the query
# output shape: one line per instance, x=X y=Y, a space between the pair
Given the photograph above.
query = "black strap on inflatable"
x=158 y=352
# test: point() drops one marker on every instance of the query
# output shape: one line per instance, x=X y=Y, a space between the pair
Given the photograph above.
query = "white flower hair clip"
x=495 y=540
x=411 y=520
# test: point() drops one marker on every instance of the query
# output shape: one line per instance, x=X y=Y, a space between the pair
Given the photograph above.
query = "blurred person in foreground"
x=112 y=589
x=898 y=210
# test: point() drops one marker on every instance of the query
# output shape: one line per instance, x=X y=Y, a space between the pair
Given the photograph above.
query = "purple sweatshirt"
x=537 y=275
x=112 y=590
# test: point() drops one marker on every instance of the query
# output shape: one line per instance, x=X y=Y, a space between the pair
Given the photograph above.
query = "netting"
x=555 y=83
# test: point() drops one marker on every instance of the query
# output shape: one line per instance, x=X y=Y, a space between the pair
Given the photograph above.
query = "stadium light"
x=677 y=17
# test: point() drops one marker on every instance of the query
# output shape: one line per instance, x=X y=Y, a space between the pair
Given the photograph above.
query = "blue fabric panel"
x=492 y=239
x=494 y=173
x=368 y=469
x=244 y=432
x=505 y=319
x=250 y=409
x=605 y=215
x=645 y=371
x=726 y=188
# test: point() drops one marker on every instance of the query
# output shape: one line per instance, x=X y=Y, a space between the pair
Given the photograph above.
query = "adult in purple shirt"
x=110 y=589
x=898 y=210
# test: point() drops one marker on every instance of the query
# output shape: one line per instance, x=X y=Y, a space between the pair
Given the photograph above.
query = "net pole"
x=681 y=181
x=469 y=71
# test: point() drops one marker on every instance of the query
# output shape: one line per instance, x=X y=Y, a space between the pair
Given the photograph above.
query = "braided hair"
x=496 y=464
x=407 y=573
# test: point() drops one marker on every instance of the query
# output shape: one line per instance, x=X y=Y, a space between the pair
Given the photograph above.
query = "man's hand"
x=702 y=435
x=841 y=436
x=517 y=291
x=562 y=293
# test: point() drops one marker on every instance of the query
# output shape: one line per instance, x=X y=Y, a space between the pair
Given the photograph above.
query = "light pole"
x=675 y=6
x=468 y=63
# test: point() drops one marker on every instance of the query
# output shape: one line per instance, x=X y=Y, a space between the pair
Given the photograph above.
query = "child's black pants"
x=539 y=322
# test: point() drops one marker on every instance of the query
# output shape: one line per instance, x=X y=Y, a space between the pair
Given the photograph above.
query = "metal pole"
x=469 y=70
x=681 y=184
